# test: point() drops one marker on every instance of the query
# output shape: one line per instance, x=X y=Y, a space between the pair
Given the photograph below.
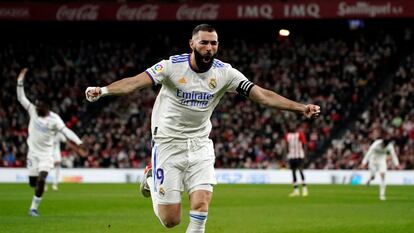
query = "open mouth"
x=206 y=59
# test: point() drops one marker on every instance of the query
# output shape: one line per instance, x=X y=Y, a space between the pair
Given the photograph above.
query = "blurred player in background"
x=57 y=156
x=376 y=157
x=296 y=145
x=183 y=155
x=43 y=126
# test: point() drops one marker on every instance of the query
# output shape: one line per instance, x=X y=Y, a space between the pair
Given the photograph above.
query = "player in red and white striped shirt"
x=296 y=143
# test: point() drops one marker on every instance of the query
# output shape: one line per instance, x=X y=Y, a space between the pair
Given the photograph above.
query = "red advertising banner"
x=318 y=9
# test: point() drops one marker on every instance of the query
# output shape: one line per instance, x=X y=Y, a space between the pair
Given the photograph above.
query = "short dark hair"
x=43 y=99
x=42 y=105
x=203 y=27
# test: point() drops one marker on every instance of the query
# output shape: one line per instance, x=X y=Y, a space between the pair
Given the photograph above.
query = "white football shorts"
x=179 y=166
x=375 y=167
x=57 y=157
x=38 y=163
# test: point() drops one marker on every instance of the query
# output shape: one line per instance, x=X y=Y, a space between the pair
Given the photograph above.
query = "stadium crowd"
x=337 y=74
x=391 y=111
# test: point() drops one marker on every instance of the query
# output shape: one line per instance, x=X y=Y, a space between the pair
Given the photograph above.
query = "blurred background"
x=353 y=58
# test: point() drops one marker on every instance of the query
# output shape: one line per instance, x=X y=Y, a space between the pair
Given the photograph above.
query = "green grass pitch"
x=235 y=208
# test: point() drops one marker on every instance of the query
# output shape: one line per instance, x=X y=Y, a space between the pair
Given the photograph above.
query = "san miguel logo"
x=213 y=83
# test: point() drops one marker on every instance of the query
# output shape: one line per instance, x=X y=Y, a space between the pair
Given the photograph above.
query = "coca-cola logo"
x=145 y=12
x=203 y=12
x=84 y=12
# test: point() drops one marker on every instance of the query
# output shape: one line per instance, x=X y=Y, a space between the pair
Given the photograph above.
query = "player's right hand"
x=93 y=93
x=20 y=78
x=312 y=111
x=83 y=150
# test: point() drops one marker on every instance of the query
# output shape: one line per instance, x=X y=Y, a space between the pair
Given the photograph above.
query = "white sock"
x=382 y=188
x=197 y=222
x=57 y=175
x=295 y=188
x=35 y=202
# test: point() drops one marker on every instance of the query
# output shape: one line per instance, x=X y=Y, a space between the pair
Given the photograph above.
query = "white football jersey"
x=59 y=137
x=377 y=153
x=42 y=130
x=187 y=98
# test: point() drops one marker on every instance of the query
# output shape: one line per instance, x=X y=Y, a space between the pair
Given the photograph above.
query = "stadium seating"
x=337 y=73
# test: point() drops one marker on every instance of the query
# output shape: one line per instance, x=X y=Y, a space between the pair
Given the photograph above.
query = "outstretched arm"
x=69 y=134
x=393 y=155
x=120 y=87
x=273 y=100
x=368 y=155
x=80 y=147
x=21 y=96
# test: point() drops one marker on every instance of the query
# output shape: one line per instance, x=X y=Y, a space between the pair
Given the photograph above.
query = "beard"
x=205 y=62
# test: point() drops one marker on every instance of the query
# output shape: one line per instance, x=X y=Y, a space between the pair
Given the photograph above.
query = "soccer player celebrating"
x=376 y=157
x=296 y=143
x=43 y=126
x=182 y=154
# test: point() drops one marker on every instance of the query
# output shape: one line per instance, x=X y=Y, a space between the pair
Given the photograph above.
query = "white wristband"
x=104 y=91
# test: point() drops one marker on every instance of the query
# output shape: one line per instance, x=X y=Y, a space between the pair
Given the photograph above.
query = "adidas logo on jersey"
x=182 y=80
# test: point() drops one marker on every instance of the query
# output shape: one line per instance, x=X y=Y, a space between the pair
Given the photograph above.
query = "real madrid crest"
x=213 y=83
x=162 y=192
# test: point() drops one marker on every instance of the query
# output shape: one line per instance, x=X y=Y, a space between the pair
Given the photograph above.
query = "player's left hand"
x=20 y=78
x=312 y=111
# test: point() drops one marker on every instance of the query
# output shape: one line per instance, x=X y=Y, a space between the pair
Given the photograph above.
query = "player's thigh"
x=382 y=167
x=169 y=163
x=373 y=168
x=293 y=163
x=301 y=163
x=200 y=174
x=32 y=164
x=46 y=163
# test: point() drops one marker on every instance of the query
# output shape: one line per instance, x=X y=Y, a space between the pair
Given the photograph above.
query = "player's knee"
x=170 y=222
x=170 y=216
x=200 y=200
x=42 y=176
x=201 y=206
